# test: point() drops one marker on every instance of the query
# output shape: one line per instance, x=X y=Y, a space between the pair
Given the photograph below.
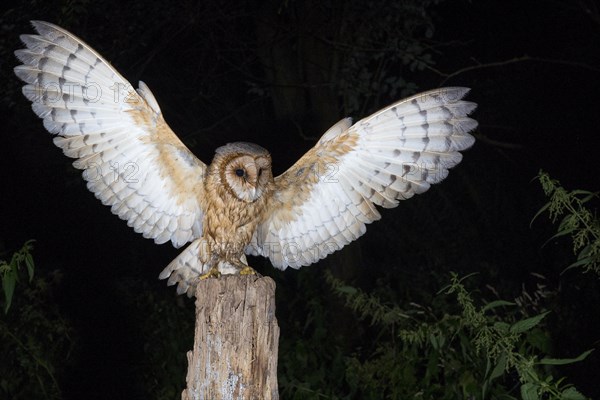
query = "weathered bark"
x=236 y=340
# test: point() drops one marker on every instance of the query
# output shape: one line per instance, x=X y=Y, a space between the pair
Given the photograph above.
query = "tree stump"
x=236 y=340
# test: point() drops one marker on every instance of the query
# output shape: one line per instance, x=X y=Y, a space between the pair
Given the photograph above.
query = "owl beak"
x=252 y=181
x=253 y=192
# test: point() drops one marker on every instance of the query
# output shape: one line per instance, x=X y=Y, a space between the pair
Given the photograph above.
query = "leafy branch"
x=577 y=221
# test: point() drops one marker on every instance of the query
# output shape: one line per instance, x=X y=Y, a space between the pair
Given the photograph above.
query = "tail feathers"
x=185 y=270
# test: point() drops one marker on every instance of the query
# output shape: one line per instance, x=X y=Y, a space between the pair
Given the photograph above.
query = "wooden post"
x=236 y=340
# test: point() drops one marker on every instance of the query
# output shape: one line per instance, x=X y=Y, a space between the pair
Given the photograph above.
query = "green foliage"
x=470 y=351
x=9 y=271
x=35 y=340
x=504 y=346
x=577 y=221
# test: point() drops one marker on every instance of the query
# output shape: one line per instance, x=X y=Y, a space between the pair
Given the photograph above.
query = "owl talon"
x=212 y=273
x=247 y=271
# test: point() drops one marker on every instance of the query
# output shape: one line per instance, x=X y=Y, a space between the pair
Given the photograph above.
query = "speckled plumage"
x=134 y=163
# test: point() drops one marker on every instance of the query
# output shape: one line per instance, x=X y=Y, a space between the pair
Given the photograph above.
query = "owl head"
x=244 y=170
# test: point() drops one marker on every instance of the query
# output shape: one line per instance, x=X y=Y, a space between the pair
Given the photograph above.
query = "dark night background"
x=279 y=73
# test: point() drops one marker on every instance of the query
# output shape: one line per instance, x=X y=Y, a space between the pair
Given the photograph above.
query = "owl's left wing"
x=324 y=200
x=132 y=160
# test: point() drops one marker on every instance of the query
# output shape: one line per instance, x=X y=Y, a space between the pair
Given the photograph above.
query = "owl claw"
x=212 y=273
x=247 y=271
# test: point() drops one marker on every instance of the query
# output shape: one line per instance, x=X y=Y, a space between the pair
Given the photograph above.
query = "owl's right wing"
x=323 y=202
x=132 y=160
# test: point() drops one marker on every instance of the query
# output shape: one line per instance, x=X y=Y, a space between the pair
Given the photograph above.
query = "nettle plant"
x=446 y=352
x=577 y=221
x=36 y=341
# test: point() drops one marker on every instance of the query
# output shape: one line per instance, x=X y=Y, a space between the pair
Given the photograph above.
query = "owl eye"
x=259 y=171
x=240 y=172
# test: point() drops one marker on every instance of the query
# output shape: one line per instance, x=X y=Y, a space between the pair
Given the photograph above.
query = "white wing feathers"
x=132 y=161
x=409 y=145
x=388 y=156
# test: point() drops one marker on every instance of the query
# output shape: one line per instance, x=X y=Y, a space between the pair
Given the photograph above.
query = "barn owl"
x=134 y=163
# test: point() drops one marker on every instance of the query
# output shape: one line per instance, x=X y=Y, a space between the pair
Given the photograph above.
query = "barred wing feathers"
x=324 y=201
x=132 y=160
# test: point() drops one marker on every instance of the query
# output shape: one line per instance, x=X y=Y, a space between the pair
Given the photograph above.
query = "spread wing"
x=132 y=160
x=324 y=200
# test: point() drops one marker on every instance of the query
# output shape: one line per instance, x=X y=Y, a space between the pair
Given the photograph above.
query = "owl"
x=234 y=206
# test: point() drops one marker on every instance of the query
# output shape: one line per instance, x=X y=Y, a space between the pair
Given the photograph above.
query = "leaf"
x=527 y=324
x=579 y=263
x=499 y=368
x=9 y=280
x=484 y=387
x=563 y=361
x=437 y=341
x=501 y=326
x=569 y=223
x=529 y=391
x=589 y=197
x=587 y=193
x=497 y=303
x=585 y=253
x=562 y=231
x=559 y=234
x=347 y=289
x=571 y=394
x=537 y=214
x=577 y=192
x=30 y=266
x=540 y=340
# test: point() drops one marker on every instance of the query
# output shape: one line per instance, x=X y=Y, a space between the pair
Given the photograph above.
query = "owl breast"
x=238 y=187
x=228 y=226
